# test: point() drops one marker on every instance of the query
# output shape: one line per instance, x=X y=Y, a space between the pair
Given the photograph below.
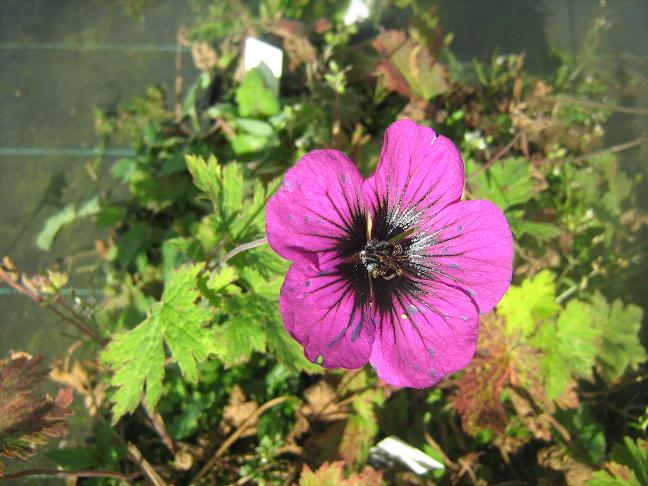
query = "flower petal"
x=418 y=170
x=426 y=337
x=473 y=251
x=314 y=206
x=320 y=312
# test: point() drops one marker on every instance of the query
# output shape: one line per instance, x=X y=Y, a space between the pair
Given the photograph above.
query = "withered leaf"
x=28 y=418
x=237 y=412
x=321 y=403
x=478 y=396
x=332 y=474
x=204 y=56
x=409 y=68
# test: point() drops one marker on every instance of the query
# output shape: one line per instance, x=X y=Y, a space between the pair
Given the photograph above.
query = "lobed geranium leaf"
x=619 y=326
x=137 y=356
x=506 y=183
x=633 y=454
x=242 y=334
x=569 y=346
x=538 y=230
x=526 y=305
x=237 y=212
x=28 y=418
x=254 y=98
x=587 y=435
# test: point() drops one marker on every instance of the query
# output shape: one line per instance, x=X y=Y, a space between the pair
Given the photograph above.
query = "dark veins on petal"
x=386 y=264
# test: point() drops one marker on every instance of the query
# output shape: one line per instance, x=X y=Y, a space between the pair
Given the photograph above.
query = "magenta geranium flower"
x=393 y=270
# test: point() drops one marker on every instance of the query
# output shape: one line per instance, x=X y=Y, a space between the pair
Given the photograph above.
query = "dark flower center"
x=383 y=259
x=379 y=264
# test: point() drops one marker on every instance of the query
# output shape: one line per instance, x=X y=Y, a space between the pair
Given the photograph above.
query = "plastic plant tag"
x=258 y=52
x=391 y=451
x=358 y=10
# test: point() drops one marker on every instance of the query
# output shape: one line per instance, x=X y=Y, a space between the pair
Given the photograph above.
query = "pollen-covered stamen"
x=383 y=259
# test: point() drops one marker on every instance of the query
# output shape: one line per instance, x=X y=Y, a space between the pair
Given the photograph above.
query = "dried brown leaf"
x=478 y=396
x=237 y=411
x=332 y=474
x=555 y=459
x=28 y=418
x=204 y=56
x=321 y=403
x=409 y=68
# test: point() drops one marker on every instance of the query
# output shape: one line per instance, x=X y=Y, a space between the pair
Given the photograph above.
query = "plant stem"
x=158 y=425
x=608 y=150
x=148 y=470
x=75 y=320
x=630 y=110
x=236 y=435
x=241 y=248
x=497 y=156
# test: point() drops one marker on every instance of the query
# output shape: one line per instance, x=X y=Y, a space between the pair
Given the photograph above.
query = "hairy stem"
x=241 y=248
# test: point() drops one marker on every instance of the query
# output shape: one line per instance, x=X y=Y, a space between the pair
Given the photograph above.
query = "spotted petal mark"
x=313 y=206
x=321 y=313
x=473 y=251
x=417 y=348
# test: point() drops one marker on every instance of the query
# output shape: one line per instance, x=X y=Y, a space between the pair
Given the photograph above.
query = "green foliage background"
x=196 y=342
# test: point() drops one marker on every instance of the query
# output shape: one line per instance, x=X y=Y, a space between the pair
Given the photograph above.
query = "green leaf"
x=223 y=185
x=537 y=230
x=569 y=347
x=137 y=356
x=131 y=242
x=603 y=478
x=361 y=427
x=259 y=128
x=53 y=225
x=506 y=183
x=254 y=99
x=526 y=305
x=247 y=143
x=243 y=333
x=283 y=347
x=75 y=457
x=620 y=347
x=65 y=216
x=588 y=437
x=635 y=456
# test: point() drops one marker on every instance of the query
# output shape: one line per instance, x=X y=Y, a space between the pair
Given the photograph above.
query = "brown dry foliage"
x=28 y=418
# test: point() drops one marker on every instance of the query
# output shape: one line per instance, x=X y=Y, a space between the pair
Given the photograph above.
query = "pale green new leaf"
x=137 y=356
x=569 y=347
x=253 y=98
x=526 y=305
x=619 y=326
